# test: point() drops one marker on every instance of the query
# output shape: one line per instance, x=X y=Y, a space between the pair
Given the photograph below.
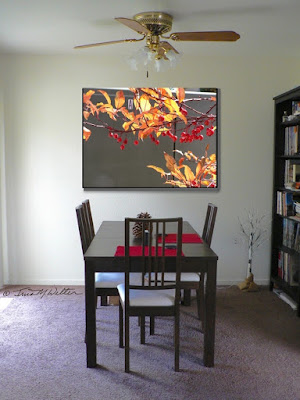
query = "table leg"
x=210 y=315
x=90 y=313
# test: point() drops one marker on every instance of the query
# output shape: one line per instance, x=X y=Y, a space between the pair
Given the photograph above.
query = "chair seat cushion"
x=113 y=279
x=148 y=298
x=184 y=277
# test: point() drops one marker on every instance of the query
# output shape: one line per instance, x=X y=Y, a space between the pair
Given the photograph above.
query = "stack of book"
x=295 y=107
x=285 y=204
x=288 y=267
x=292 y=174
x=292 y=145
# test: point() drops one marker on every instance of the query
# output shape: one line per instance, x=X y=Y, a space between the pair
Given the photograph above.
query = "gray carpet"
x=42 y=351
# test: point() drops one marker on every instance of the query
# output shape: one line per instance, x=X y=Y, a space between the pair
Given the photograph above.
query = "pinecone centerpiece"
x=137 y=229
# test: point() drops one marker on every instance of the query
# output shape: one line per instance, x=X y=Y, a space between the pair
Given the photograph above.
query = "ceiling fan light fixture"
x=147 y=57
x=173 y=57
x=161 y=64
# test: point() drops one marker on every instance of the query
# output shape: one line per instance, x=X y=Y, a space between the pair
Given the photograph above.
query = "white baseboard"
x=80 y=282
x=49 y=282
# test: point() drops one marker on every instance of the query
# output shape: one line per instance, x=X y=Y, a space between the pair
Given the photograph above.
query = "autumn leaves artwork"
x=150 y=138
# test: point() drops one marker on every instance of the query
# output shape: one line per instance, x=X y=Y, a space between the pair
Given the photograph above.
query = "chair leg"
x=142 y=328
x=201 y=300
x=121 y=327
x=186 y=297
x=199 y=297
x=103 y=300
x=176 y=339
x=152 y=325
x=127 y=368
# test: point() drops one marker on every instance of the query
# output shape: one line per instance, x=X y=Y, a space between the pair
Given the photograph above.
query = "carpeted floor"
x=42 y=351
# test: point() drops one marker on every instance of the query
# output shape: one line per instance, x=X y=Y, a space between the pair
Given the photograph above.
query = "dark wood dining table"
x=100 y=257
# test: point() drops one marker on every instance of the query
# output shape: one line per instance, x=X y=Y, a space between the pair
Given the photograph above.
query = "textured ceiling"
x=56 y=26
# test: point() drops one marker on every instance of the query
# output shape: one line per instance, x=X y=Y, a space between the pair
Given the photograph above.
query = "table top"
x=111 y=234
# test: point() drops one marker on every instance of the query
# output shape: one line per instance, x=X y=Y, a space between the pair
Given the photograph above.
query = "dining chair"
x=150 y=298
x=105 y=282
x=195 y=280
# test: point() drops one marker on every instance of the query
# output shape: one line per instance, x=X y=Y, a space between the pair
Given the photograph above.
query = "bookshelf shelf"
x=285 y=254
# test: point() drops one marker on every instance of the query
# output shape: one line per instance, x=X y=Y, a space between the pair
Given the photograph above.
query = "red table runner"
x=137 y=251
x=186 y=238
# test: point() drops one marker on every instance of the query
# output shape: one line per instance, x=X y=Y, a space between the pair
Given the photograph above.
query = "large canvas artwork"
x=150 y=138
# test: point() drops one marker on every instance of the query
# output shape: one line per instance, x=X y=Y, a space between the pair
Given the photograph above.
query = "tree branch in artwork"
x=181 y=175
x=155 y=110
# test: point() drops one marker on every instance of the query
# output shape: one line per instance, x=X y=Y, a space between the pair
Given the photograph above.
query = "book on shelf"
x=285 y=204
x=292 y=175
x=295 y=107
x=290 y=233
x=292 y=144
x=288 y=267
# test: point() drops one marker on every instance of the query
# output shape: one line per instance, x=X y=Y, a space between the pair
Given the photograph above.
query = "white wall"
x=42 y=109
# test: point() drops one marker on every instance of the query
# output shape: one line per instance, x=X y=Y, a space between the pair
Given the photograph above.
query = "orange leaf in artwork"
x=180 y=94
x=86 y=114
x=158 y=169
x=189 y=173
x=105 y=95
x=119 y=99
x=144 y=103
x=180 y=161
x=126 y=125
x=146 y=132
x=86 y=134
x=170 y=162
x=87 y=96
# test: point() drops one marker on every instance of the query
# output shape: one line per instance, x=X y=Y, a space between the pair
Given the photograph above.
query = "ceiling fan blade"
x=132 y=24
x=213 y=36
x=83 y=46
x=167 y=46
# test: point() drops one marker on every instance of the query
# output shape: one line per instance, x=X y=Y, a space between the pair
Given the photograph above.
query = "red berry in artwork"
x=200 y=137
x=119 y=140
x=184 y=112
x=136 y=142
x=125 y=141
x=156 y=142
x=122 y=147
x=207 y=122
x=209 y=131
x=111 y=134
x=116 y=136
x=161 y=118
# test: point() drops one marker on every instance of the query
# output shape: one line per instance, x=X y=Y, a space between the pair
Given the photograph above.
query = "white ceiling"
x=56 y=26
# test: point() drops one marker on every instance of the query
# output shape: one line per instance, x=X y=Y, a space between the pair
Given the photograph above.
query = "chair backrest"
x=88 y=220
x=209 y=223
x=82 y=228
x=153 y=263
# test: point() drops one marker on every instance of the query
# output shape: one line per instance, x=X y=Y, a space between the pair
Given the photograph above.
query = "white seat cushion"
x=113 y=279
x=148 y=298
x=184 y=277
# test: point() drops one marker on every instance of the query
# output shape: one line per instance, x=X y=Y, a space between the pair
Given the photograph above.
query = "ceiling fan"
x=153 y=25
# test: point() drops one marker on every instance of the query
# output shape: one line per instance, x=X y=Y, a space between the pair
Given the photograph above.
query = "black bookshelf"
x=285 y=254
